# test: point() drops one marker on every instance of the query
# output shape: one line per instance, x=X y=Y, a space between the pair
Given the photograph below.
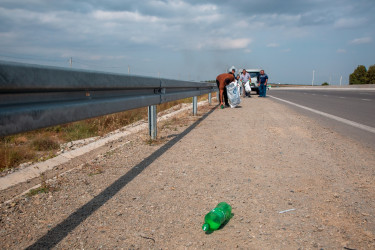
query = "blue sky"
x=193 y=40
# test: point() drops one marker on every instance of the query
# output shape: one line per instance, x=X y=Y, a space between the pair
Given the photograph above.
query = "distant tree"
x=358 y=76
x=371 y=75
x=325 y=83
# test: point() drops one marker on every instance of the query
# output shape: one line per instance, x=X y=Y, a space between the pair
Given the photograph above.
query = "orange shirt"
x=221 y=79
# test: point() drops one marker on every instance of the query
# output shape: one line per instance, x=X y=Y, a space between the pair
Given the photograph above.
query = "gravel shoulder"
x=262 y=158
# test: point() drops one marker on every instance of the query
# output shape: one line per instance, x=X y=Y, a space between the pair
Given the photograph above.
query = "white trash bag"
x=247 y=87
x=233 y=95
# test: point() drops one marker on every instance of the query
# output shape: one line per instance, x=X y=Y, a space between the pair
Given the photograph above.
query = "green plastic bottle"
x=217 y=216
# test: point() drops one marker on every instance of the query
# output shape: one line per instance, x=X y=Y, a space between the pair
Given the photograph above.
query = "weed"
x=109 y=153
x=11 y=155
x=79 y=130
x=150 y=141
x=44 y=144
x=44 y=187
x=96 y=170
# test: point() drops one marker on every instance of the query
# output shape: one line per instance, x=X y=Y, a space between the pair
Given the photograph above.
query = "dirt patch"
x=262 y=161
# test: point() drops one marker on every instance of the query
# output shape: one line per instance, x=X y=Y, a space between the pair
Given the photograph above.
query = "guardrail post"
x=152 y=121
x=195 y=104
x=209 y=98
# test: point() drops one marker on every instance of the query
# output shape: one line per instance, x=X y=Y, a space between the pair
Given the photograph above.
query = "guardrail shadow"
x=60 y=231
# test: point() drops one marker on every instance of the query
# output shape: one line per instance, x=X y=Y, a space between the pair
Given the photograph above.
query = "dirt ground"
x=261 y=158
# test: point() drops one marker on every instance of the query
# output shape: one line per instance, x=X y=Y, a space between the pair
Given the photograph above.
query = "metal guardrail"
x=34 y=96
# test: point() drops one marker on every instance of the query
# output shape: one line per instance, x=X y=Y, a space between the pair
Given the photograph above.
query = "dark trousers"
x=225 y=94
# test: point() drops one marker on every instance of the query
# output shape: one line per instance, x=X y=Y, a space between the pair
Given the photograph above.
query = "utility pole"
x=312 y=83
x=340 y=80
x=128 y=69
x=71 y=61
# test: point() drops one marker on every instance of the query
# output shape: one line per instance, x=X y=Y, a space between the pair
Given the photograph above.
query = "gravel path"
x=262 y=158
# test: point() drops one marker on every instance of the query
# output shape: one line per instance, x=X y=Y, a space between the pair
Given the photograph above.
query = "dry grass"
x=45 y=143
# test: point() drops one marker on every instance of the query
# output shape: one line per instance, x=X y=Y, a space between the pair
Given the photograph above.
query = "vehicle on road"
x=254 y=73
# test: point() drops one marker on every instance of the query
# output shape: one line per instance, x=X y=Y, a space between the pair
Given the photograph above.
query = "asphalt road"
x=350 y=112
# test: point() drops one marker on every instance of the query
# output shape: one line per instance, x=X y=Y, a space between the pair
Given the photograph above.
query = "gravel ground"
x=261 y=158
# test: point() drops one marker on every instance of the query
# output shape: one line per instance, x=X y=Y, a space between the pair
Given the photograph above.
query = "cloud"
x=361 y=40
x=273 y=45
x=228 y=43
x=223 y=44
x=123 y=32
x=349 y=22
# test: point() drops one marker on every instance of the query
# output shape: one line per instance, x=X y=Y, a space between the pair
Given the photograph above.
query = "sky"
x=193 y=40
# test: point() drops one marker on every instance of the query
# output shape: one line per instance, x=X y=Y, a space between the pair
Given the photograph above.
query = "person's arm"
x=266 y=81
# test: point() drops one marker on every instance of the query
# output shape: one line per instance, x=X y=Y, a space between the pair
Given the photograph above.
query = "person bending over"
x=222 y=81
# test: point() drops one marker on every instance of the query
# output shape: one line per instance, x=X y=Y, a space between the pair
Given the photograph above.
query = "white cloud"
x=124 y=16
x=286 y=50
x=349 y=22
x=341 y=51
x=361 y=40
x=273 y=45
x=228 y=43
x=223 y=44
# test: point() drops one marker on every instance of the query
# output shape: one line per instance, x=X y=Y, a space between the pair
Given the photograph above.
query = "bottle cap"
x=206 y=227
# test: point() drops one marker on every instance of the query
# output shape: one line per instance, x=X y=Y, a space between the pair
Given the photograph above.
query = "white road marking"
x=366 y=100
x=325 y=95
x=348 y=122
x=342 y=97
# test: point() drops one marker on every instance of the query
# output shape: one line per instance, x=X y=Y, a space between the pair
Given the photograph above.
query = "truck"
x=254 y=73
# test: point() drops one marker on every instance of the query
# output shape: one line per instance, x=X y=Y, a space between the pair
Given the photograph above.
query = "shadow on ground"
x=60 y=231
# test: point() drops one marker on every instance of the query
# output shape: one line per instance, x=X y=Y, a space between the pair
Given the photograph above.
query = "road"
x=350 y=112
x=291 y=182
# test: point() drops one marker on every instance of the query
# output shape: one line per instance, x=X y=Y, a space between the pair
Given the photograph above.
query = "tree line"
x=362 y=76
